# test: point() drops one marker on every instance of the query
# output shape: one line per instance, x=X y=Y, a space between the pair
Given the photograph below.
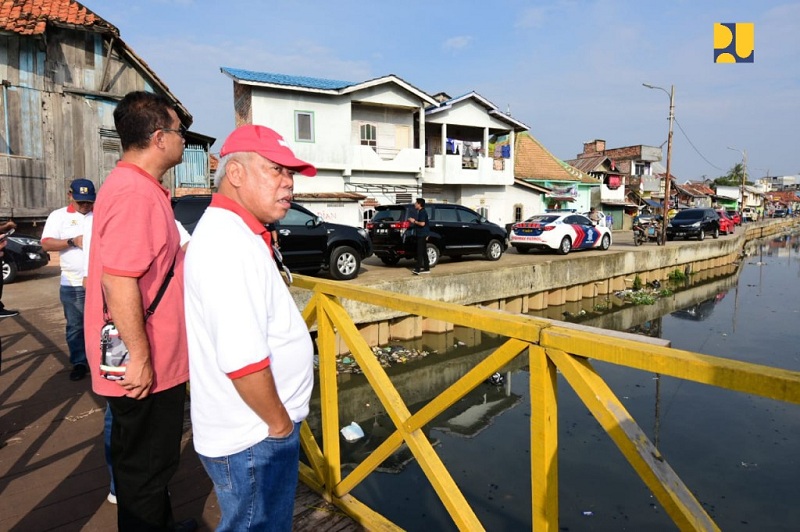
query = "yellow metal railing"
x=550 y=347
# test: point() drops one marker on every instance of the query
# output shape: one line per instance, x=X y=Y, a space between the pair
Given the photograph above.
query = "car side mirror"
x=317 y=221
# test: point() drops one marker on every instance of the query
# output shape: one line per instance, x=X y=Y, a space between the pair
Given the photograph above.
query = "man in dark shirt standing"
x=422 y=231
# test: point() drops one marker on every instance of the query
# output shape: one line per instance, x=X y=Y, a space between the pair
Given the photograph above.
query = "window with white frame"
x=369 y=135
x=367 y=216
x=518 y=213
x=304 y=126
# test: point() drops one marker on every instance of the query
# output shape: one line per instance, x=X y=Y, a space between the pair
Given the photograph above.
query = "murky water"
x=738 y=454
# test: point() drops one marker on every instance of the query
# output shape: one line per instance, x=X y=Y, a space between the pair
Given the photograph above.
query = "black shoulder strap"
x=152 y=308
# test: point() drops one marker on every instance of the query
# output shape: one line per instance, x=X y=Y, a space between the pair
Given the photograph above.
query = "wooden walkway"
x=53 y=474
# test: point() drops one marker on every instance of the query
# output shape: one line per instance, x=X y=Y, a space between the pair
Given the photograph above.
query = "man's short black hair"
x=138 y=115
x=421 y=201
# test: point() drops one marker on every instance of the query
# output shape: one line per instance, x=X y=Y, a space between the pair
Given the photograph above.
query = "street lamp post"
x=665 y=210
x=744 y=177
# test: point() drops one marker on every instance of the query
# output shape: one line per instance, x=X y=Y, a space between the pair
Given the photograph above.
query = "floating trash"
x=387 y=357
x=496 y=379
x=352 y=432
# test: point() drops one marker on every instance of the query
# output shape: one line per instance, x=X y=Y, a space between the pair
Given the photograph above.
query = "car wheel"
x=702 y=235
x=494 y=250
x=390 y=261
x=715 y=234
x=345 y=263
x=433 y=255
x=605 y=242
x=565 y=246
x=9 y=272
x=522 y=249
x=670 y=238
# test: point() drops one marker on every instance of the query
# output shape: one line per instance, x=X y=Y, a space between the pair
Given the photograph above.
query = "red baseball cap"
x=267 y=143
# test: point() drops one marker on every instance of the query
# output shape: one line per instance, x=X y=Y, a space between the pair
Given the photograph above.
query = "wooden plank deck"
x=53 y=474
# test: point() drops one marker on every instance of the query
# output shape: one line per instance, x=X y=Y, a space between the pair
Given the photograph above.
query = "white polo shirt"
x=240 y=318
x=62 y=224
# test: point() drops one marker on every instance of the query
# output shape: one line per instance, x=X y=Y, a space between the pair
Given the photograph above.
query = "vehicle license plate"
x=382 y=231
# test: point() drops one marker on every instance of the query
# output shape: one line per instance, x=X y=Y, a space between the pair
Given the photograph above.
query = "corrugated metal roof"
x=30 y=17
x=588 y=164
x=284 y=79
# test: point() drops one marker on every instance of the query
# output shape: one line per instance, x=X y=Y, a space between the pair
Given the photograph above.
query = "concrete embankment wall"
x=554 y=282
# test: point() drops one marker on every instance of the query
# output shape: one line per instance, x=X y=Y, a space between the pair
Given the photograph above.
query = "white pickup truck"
x=749 y=214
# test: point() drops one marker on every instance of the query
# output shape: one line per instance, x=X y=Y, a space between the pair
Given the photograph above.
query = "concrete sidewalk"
x=53 y=473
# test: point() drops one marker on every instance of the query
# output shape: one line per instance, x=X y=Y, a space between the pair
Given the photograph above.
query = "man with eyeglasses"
x=63 y=232
x=135 y=247
x=250 y=353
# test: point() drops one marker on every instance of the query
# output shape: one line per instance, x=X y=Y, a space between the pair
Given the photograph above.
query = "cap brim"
x=294 y=164
x=79 y=197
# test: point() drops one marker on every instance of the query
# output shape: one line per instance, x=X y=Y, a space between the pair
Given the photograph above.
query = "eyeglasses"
x=181 y=130
x=283 y=170
x=286 y=275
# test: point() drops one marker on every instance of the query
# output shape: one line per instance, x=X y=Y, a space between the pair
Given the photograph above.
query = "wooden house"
x=63 y=69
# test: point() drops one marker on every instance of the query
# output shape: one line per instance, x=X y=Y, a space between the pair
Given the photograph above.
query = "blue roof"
x=283 y=79
x=653 y=203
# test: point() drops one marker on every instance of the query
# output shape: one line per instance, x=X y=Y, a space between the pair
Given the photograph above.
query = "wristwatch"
x=71 y=243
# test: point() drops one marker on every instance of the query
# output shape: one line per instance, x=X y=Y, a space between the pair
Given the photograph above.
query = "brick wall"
x=242 y=104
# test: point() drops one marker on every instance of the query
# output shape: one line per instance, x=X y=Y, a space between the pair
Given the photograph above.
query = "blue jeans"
x=256 y=487
x=72 y=299
x=109 y=419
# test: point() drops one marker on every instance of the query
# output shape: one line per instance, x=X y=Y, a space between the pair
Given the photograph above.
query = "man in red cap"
x=250 y=354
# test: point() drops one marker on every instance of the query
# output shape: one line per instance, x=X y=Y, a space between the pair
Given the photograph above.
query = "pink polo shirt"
x=134 y=235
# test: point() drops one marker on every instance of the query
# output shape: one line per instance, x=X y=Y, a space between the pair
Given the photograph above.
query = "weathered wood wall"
x=56 y=116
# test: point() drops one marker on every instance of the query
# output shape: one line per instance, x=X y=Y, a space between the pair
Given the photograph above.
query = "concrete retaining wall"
x=537 y=286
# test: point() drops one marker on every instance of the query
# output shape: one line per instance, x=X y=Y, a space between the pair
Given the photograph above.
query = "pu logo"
x=734 y=42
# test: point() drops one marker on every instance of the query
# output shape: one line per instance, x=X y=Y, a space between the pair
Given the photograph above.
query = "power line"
x=695 y=148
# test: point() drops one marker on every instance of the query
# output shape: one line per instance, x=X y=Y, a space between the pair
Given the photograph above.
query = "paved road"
x=374 y=270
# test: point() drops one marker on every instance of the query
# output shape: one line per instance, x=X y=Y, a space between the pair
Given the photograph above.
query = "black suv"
x=22 y=253
x=694 y=223
x=455 y=231
x=307 y=242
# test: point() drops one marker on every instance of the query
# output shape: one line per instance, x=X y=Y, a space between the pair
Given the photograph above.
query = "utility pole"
x=668 y=181
x=744 y=178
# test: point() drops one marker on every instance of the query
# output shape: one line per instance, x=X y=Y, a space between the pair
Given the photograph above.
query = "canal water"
x=738 y=454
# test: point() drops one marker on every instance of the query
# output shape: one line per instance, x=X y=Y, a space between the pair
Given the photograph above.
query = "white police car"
x=559 y=231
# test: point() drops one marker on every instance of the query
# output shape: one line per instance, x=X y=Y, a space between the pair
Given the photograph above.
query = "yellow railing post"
x=544 y=441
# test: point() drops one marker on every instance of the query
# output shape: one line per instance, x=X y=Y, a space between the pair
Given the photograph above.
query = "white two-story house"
x=382 y=141
x=470 y=155
x=367 y=139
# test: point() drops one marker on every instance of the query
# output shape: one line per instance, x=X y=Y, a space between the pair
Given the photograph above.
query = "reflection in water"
x=699 y=312
x=736 y=453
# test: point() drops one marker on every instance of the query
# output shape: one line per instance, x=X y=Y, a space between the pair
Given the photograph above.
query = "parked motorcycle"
x=644 y=231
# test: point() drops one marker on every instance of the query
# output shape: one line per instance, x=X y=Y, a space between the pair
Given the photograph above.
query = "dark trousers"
x=145 y=449
x=422 y=253
x=1 y=287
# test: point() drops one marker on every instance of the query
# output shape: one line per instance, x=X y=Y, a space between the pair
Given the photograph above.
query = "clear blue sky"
x=571 y=70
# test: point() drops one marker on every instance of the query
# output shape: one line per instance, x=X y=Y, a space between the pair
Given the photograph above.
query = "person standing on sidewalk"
x=250 y=353
x=135 y=246
x=422 y=231
x=63 y=232
x=5 y=227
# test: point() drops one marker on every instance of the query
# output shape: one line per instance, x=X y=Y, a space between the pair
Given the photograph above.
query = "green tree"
x=733 y=177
